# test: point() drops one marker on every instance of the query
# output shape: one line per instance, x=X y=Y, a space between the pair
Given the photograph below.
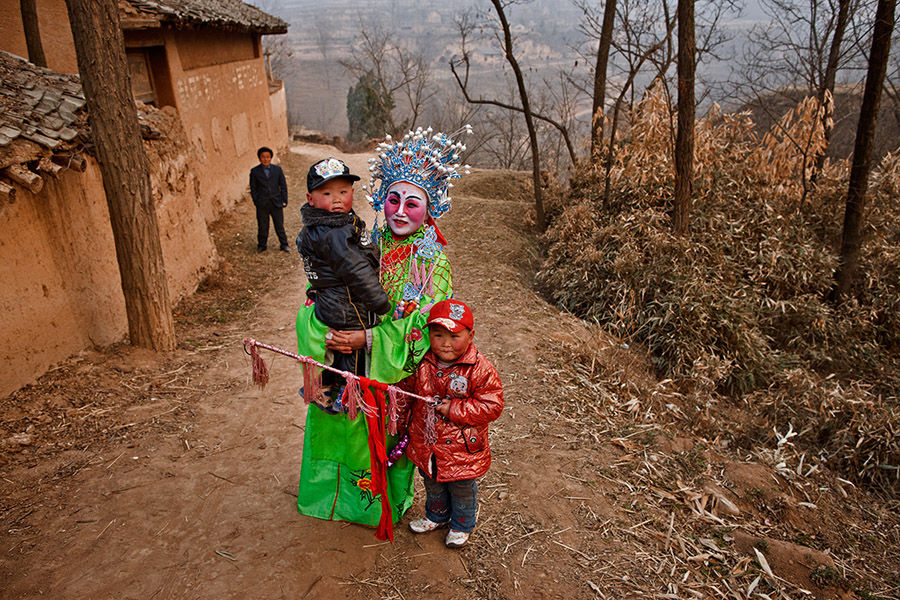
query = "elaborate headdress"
x=428 y=161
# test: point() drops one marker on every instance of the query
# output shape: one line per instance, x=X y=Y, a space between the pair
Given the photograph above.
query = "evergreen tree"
x=368 y=108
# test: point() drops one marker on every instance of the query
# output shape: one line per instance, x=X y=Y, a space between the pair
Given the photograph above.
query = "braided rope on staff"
x=262 y=379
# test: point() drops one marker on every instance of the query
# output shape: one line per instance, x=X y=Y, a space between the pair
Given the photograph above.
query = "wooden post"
x=48 y=166
x=25 y=178
x=100 y=49
x=75 y=162
x=7 y=192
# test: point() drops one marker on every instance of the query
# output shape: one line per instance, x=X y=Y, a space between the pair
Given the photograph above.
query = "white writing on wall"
x=196 y=89
x=219 y=83
x=247 y=77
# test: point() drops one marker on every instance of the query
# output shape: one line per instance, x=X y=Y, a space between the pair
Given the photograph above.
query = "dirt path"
x=171 y=477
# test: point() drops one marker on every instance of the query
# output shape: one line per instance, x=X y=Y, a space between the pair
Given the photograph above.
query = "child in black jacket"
x=341 y=264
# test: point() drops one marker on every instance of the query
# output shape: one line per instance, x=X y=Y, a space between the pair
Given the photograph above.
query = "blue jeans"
x=454 y=501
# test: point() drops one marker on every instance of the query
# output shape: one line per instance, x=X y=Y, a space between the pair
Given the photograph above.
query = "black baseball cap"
x=326 y=170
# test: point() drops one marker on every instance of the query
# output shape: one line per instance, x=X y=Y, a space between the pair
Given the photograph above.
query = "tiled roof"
x=231 y=15
x=38 y=104
x=48 y=109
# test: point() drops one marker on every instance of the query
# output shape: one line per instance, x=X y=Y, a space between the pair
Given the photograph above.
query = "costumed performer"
x=415 y=176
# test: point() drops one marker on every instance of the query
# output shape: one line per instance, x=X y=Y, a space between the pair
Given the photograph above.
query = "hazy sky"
x=751 y=11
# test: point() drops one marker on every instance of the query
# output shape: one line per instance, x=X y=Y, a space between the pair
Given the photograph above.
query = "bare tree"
x=506 y=143
x=463 y=82
x=560 y=98
x=279 y=54
x=640 y=43
x=400 y=77
x=561 y=95
x=600 y=68
x=526 y=111
x=635 y=28
x=799 y=53
x=851 y=239
x=100 y=50
x=795 y=47
x=32 y=32
x=826 y=87
x=564 y=106
x=684 y=142
x=453 y=114
x=892 y=80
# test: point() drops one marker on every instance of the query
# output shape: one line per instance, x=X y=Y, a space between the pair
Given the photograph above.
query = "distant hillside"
x=316 y=84
x=768 y=110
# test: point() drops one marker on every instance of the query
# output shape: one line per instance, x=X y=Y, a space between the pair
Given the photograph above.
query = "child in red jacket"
x=448 y=437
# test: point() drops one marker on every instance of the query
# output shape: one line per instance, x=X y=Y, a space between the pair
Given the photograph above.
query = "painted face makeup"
x=405 y=208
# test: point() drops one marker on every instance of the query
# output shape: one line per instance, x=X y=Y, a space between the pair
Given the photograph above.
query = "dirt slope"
x=131 y=475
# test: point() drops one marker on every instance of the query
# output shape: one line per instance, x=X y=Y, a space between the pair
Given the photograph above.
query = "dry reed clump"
x=740 y=301
x=851 y=429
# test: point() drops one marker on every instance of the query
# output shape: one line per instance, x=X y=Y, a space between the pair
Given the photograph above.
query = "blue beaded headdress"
x=428 y=161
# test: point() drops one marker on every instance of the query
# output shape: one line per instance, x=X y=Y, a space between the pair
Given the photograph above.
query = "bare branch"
x=463 y=84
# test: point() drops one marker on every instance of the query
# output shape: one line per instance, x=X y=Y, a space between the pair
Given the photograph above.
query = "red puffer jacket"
x=462 y=450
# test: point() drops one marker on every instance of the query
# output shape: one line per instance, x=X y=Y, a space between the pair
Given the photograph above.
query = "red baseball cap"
x=452 y=315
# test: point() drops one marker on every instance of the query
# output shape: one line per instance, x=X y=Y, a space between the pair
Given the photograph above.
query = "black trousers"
x=353 y=362
x=333 y=384
x=263 y=212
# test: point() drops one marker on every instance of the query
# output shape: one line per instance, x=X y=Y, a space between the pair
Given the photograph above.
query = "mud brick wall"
x=227 y=110
x=61 y=291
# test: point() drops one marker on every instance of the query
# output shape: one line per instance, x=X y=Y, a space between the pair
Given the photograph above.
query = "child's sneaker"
x=425 y=525
x=456 y=539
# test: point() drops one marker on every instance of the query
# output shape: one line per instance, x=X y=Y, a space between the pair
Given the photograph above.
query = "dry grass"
x=684 y=509
x=738 y=308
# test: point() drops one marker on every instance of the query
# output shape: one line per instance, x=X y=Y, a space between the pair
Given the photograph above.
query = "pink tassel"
x=260 y=370
x=414 y=276
x=316 y=392
x=312 y=383
x=352 y=397
x=430 y=422
x=428 y=283
x=307 y=383
x=393 y=410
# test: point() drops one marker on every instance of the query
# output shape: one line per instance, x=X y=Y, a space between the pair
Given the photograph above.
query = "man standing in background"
x=268 y=188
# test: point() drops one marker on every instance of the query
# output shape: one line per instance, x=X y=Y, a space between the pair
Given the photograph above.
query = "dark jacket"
x=341 y=265
x=271 y=191
x=462 y=450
